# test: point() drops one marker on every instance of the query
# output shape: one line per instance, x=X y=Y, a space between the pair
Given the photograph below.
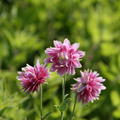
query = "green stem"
x=72 y=118
x=49 y=113
x=63 y=95
x=41 y=114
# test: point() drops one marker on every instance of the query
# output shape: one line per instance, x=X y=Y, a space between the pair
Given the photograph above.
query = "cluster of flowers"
x=64 y=58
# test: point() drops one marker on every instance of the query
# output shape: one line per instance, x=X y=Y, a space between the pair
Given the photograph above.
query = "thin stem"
x=63 y=88
x=63 y=95
x=41 y=114
x=74 y=107
x=44 y=117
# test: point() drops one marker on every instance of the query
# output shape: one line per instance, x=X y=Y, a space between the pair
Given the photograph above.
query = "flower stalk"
x=41 y=114
x=72 y=118
x=63 y=95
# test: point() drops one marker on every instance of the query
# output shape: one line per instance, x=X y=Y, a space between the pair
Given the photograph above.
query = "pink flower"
x=32 y=77
x=64 y=57
x=88 y=86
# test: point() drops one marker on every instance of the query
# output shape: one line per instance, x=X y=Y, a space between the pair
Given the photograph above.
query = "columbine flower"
x=64 y=57
x=32 y=77
x=88 y=86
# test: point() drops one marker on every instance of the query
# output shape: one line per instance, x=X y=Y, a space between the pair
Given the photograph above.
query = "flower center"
x=63 y=56
x=84 y=84
x=81 y=87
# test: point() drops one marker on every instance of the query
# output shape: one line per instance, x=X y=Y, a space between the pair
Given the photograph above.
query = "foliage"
x=28 y=27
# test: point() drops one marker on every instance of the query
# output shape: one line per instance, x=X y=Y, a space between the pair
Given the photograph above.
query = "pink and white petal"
x=52 y=51
x=77 y=79
x=99 y=79
x=103 y=87
x=75 y=46
x=71 y=70
x=81 y=54
x=57 y=44
x=61 y=71
x=53 y=68
x=66 y=42
x=48 y=60
x=77 y=64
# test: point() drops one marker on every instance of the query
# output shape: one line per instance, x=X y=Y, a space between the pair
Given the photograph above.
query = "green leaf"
x=108 y=49
x=115 y=98
x=116 y=113
x=64 y=105
x=47 y=115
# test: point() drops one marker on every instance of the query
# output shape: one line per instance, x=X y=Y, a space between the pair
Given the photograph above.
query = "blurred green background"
x=28 y=27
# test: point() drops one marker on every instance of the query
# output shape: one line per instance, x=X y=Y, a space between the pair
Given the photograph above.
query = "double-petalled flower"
x=64 y=57
x=88 y=86
x=32 y=77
